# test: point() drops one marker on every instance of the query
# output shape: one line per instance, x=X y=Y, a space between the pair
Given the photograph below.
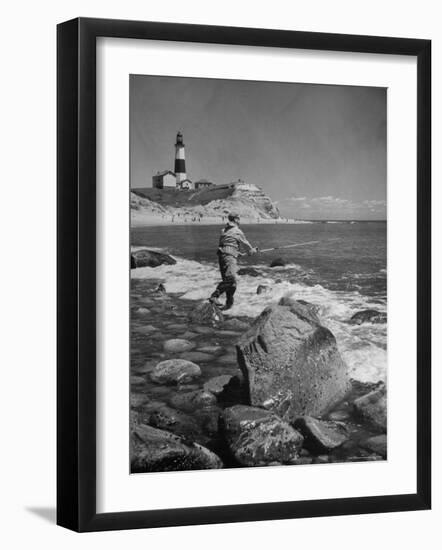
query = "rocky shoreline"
x=209 y=391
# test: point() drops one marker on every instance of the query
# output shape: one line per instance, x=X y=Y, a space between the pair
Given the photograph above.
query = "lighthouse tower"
x=180 y=160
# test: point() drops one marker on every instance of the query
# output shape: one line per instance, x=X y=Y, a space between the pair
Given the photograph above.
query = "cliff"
x=215 y=202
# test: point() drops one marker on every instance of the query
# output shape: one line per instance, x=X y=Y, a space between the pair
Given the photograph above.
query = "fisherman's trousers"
x=228 y=267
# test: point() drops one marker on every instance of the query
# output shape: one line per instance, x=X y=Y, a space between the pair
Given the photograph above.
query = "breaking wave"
x=364 y=347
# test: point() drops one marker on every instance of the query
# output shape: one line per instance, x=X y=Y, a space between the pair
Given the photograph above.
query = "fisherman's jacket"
x=231 y=241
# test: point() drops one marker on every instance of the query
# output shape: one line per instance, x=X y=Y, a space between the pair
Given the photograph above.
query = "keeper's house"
x=203 y=184
x=186 y=184
x=163 y=180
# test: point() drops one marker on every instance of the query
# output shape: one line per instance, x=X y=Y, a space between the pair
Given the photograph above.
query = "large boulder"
x=368 y=316
x=175 y=371
x=154 y=450
x=257 y=437
x=149 y=258
x=321 y=435
x=205 y=314
x=372 y=408
x=291 y=363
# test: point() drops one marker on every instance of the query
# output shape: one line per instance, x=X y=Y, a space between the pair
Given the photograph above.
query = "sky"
x=318 y=151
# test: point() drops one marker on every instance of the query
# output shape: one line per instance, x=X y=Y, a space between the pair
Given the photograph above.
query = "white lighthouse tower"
x=180 y=160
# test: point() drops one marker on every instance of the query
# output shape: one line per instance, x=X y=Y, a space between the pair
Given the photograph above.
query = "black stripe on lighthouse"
x=180 y=166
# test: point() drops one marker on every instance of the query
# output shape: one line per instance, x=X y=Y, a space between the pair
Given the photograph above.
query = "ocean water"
x=343 y=273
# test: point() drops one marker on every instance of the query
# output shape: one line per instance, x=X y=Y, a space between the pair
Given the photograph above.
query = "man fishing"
x=231 y=242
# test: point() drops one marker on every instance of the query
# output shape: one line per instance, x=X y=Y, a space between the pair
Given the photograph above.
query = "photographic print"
x=258 y=305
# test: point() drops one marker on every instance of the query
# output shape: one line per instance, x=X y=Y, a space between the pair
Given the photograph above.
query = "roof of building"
x=165 y=172
x=203 y=180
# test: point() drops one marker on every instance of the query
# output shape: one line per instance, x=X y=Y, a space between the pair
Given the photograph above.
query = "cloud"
x=328 y=207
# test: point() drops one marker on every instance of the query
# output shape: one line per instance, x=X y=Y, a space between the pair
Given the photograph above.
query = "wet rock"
x=207 y=314
x=177 y=345
x=142 y=311
x=203 y=330
x=154 y=450
x=177 y=326
x=278 y=262
x=262 y=289
x=137 y=399
x=189 y=335
x=135 y=380
x=301 y=307
x=291 y=364
x=149 y=258
x=257 y=437
x=368 y=316
x=372 y=408
x=175 y=371
x=377 y=444
x=147 y=329
x=228 y=359
x=250 y=271
x=210 y=349
x=320 y=435
x=218 y=384
x=235 y=324
x=189 y=401
x=339 y=415
x=177 y=422
x=196 y=356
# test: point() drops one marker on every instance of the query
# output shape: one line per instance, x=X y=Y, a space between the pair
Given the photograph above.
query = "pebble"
x=177 y=345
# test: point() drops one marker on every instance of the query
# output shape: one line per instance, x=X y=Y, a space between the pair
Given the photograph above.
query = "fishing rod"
x=291 y=245
x=286 y=246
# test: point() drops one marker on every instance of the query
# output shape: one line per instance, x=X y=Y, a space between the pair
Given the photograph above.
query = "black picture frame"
x=76 y=273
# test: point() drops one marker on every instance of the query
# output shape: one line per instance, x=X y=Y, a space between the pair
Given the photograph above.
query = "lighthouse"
x=180 y=160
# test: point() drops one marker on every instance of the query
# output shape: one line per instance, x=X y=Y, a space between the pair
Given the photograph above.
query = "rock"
x=320 y=435
x=262 y=289
x=368 y=316
x=177 y=326
x=278 y=262
x=177 y=345
x=188 y=335
x=250 y=271
x=372 y=408
x=377 y=444
x=257 y=437
x=192 y=400
x=196 y=356
x=291 y=364
x=228 y=359
x=167 y=418
x=154 y=450
x=161 y=289
x=218 y=384
x=137 y=399
x=206 y=313
x=203 y=330
x=135 y=380
x=321 y=459
x=149 y=258
x=302 y=461
x=339 y=415
x=142 y=311
x=210 y=349
x=300 y=307
x=235 y=324
x=175 y=371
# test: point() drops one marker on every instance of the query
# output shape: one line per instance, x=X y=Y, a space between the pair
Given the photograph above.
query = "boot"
x=229 y=301
x=214 y=299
